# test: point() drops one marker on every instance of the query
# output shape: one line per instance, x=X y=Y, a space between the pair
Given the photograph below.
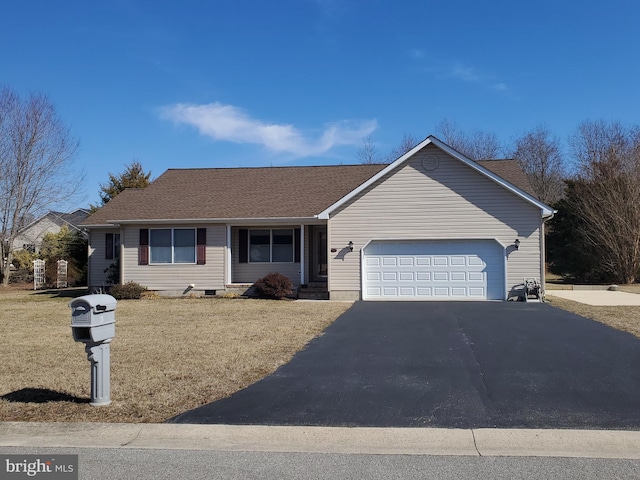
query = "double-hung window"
x=112 y=246
x=172 y=245
x=275 y=245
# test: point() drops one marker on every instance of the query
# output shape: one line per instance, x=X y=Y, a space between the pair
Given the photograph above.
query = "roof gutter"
x=184 y=221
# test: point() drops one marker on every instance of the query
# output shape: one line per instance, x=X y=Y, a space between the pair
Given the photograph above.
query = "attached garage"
x=434 y=270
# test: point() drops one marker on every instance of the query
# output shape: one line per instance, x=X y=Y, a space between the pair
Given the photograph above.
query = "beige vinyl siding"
x=452 y=201
x=35 y=233
x=97 y=263
x=176 y=276
x=251 y=271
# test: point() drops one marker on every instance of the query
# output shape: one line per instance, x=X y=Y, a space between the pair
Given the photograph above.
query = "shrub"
x=274 y=285
x=128 y=291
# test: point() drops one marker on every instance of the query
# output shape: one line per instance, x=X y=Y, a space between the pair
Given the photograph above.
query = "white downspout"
x=227 y=274
x=302 y=282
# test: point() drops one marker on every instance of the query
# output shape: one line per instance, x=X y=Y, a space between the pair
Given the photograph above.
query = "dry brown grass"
x=168 y=356
x=625 y=318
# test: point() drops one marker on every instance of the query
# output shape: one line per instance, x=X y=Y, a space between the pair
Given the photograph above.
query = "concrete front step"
x=313 y=291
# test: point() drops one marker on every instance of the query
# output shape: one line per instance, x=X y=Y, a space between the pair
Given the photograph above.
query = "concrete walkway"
x=389 y=441
x=598 y=297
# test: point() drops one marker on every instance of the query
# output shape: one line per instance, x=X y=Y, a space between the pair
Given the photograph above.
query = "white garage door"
x=434 y=270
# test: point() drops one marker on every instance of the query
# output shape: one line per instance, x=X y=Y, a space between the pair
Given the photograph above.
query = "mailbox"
x=93 y=318
x=93 y=321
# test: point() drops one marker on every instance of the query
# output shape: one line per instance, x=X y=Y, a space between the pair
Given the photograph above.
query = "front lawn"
x=168 y=356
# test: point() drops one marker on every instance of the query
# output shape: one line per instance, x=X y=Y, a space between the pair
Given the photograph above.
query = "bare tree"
x=36 y=152
x=607 y=194
x=478 y=145
x=368 y=153
x=540 y=156
x=406 y=144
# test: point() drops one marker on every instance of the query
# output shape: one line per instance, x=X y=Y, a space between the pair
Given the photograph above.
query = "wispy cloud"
x=465 y=73
x=456 y=71
x=232 y=124
x=469 y=74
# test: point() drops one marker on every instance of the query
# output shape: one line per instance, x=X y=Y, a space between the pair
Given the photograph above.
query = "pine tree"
x=133 y=177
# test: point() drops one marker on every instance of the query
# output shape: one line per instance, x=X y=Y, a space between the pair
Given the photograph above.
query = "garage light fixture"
x=350 y=246
x=516 y=244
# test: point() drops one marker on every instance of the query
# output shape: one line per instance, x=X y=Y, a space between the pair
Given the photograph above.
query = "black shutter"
x=143 y=248
x=296 y=245
x=243 y=254
x=201 y=246
x=108 y=246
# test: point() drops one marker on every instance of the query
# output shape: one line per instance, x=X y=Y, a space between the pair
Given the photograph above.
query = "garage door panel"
x=440 y=261
x=458 y=261
x=424 y=291
x=440 y=276
x=373 y=261
x=471 y=270
x=458 y=276
x=406 y=276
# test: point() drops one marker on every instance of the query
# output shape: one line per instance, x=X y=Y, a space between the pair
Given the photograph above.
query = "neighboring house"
x=433 y=225
x=30 y=237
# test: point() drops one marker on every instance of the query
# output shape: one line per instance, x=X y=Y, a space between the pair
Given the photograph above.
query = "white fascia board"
x=101 y=226
x=546 y=211
x=235 y=221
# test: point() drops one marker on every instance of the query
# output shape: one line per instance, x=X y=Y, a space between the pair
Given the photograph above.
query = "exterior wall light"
x=516 y=244
x=350 y=246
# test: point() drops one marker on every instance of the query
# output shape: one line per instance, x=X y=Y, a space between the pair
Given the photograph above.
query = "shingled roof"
x=234 y=193
x=253 y=193
x=511 y=171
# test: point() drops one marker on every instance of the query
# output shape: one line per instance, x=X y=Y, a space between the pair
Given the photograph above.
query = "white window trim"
x=293 y=244
x=173 y=262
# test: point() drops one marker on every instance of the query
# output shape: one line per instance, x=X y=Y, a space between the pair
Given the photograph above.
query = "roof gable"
x=72 y=219
x=483 y=167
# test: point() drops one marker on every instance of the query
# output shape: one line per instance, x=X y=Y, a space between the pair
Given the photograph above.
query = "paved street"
x=116 y=464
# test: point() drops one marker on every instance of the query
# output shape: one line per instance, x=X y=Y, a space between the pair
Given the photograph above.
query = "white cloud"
x=470 y=75
x=467 y=74
x=232 y=124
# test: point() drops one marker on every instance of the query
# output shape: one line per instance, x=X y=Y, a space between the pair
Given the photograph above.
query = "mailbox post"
x=93 y=322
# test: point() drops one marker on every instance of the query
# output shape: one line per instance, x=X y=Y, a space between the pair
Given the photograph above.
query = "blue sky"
x=301 y=82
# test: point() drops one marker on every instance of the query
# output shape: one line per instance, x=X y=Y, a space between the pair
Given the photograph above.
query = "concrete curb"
x=387 y=441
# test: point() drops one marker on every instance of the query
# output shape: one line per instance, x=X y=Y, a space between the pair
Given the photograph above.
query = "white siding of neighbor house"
x=175 y=277
x=97 y=263
x=250 y=272
x=452 y=201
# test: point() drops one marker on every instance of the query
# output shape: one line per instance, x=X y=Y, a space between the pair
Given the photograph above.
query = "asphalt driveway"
x=449 y=364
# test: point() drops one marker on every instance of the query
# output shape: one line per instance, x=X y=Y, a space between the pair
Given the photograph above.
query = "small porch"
x=300 y=252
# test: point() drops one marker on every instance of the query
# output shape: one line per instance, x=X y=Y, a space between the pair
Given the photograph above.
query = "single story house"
x=30 y=237
x=432 y=225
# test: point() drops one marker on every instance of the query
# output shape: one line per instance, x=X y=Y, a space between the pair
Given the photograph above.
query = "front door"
x=318 y=248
